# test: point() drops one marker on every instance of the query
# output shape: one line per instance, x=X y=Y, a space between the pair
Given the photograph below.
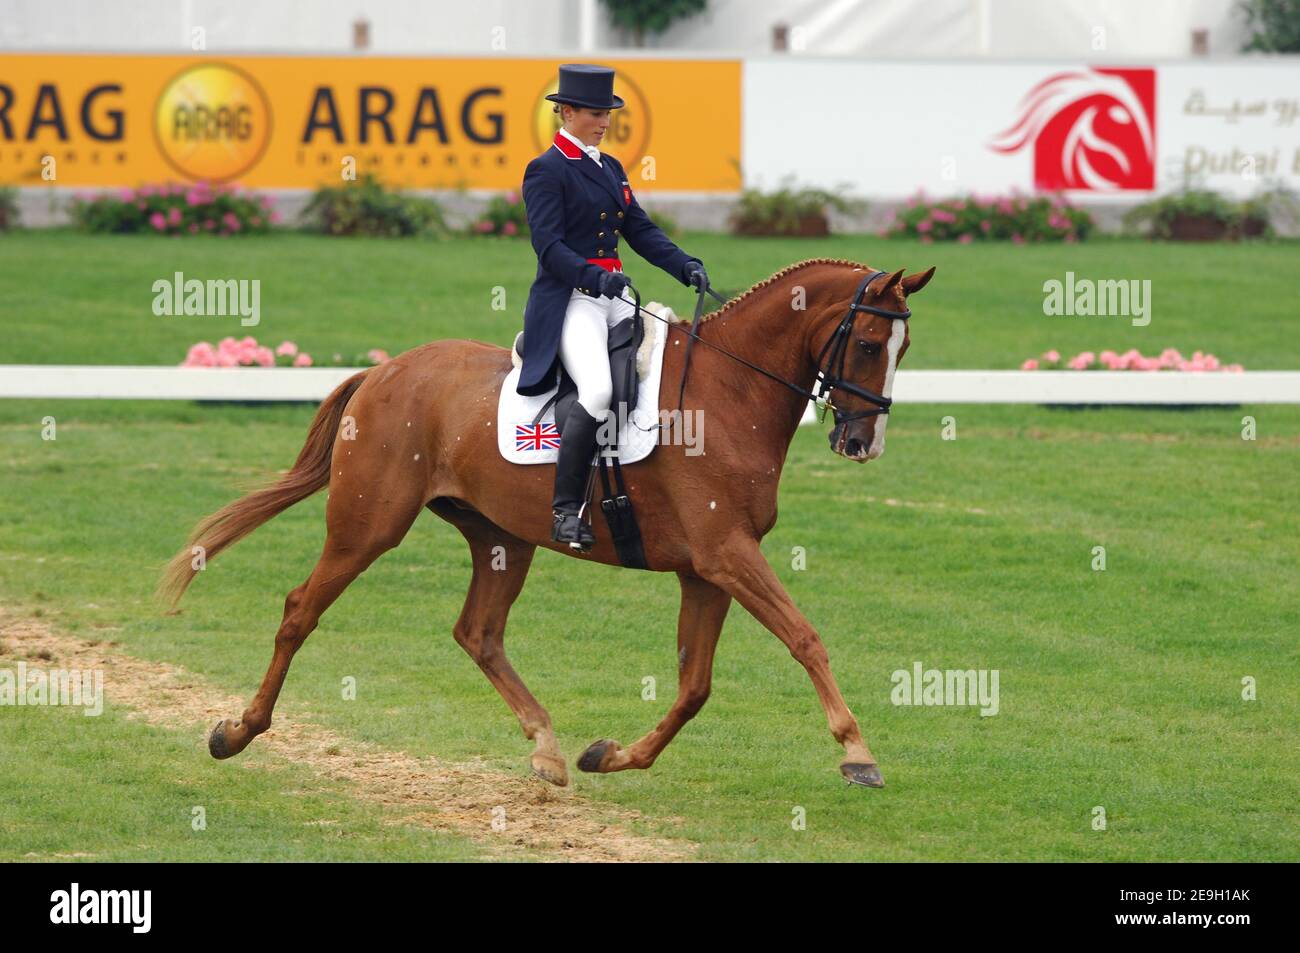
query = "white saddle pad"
x=522 y=441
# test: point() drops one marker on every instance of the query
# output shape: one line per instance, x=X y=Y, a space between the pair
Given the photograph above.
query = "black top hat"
x=582 y=84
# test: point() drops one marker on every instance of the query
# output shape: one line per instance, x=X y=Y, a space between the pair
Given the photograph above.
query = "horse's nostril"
x=853 y=446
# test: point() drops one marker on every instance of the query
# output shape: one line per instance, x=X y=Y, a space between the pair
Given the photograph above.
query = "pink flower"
x=512 y=198
x=142 y=205
x=194 y=228
x=1029 y=365
x=940 y=215
x=378 y=355
x=231 y=221
x=1078 y=363
x=126 y=195
x=264 y=357
x=965 y=238
x=302 y=360
x=924 y=225
x=1233 y=368
x=927 y=240
x=1052 y=357
x=174 y=216
x=275 y=217
x=287 y=349
x=1017 y=239
x=200 y=355
x=483 y=226
x=510 y=228
x=985 y=226
x=157 y=221
x=209 y=224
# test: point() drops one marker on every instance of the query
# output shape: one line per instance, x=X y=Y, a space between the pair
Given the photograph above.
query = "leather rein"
x=830 y=367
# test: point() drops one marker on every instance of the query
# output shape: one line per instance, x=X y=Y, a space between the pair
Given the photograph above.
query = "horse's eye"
x=869 y=347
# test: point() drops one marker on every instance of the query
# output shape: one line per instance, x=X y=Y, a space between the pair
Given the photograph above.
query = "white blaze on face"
x=896 y=335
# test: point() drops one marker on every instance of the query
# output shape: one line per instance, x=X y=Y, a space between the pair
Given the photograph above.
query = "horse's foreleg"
x=501 y=563
x=739 y=568
x=699 y=623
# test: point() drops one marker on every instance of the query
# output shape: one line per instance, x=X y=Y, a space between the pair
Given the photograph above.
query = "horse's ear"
x=914 y=283
x=891 y=281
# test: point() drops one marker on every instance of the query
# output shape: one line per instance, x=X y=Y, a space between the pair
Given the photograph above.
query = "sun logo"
x=1091 y=130
x=212 y=122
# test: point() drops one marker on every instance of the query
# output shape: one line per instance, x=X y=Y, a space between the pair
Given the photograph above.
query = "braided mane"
x=736 y=301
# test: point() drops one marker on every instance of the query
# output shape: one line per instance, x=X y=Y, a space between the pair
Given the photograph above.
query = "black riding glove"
x=695 y=275
x=612 y=284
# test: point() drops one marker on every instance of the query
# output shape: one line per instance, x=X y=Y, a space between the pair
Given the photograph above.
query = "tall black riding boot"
x=577 y=447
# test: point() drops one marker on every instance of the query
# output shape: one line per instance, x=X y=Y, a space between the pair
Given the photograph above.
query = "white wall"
x=875 y=28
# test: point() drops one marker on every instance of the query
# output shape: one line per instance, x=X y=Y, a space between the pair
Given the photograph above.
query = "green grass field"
x=1119 y=689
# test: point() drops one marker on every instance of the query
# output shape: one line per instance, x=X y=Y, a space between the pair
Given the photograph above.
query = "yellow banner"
x=296 y=122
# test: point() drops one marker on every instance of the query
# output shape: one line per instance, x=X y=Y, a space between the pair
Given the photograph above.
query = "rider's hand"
x=612 y=284
x=695 y=275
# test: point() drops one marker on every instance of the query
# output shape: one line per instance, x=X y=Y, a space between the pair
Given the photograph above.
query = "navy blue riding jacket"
x=577 y=212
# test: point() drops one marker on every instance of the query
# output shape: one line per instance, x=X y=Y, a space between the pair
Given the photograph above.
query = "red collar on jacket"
x=566 y=146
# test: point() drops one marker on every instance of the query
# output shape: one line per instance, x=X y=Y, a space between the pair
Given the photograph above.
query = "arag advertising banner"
x=293 y=122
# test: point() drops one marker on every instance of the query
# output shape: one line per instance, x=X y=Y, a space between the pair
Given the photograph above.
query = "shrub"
x=1191 y=214
x=788 y=211
x=975 y=218
x=174 y=209
x=368 y=207
x=505 y=215
x=8 y=208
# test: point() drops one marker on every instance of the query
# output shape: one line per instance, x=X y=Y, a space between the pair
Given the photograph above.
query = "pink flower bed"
x=246 y=352
x=1170 y=359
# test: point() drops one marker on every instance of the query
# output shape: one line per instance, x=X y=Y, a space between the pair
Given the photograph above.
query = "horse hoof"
x=595 y=754
x=550 y=768
x=868 y=775
x=217 y=746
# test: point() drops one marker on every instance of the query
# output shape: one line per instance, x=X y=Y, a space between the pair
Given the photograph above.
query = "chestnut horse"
x=420 y=431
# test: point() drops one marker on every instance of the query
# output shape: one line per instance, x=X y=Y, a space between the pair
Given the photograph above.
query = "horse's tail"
x=234 y=521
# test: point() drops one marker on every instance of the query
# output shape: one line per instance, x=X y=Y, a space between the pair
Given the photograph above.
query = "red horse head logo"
x=1091 y=129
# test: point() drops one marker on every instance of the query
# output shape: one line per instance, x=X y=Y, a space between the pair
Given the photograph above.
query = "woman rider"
x=579 y=205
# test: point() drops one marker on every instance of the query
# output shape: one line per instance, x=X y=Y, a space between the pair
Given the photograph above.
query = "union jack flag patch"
x=536 y=437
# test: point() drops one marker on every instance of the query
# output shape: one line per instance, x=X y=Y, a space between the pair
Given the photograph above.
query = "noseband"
x=830 y=367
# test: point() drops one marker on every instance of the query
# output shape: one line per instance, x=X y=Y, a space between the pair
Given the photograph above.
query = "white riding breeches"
x=584 y=346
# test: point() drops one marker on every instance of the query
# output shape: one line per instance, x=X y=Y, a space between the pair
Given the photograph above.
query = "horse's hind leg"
x=501 y=563
x=356 y=538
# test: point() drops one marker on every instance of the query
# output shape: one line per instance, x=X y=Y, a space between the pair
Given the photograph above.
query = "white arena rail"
x=911 y=387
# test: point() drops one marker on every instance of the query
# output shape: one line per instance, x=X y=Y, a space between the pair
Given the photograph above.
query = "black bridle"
x=830 y=369
x=838 y=345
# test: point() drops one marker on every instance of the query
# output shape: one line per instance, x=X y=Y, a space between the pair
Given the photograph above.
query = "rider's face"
x=589 y=125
